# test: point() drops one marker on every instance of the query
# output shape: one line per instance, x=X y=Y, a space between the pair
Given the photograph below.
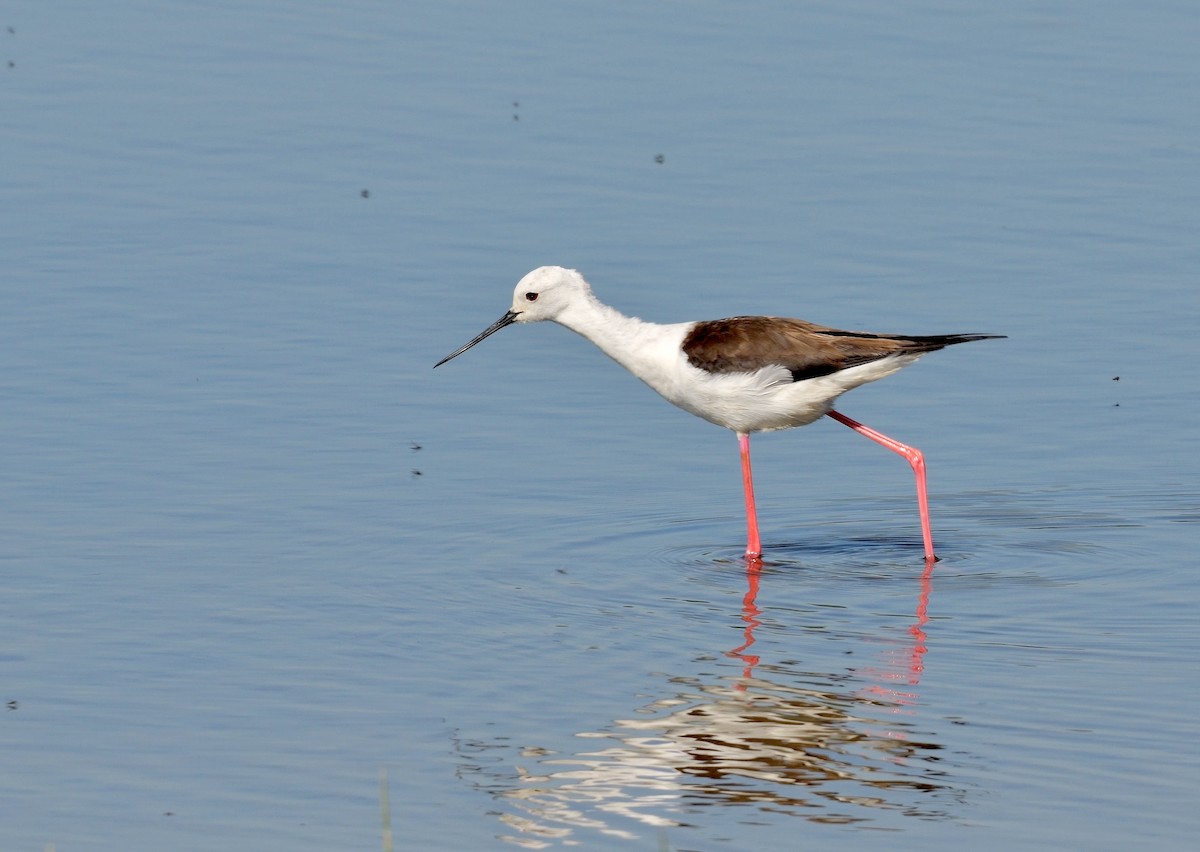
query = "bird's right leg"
x=753 y=545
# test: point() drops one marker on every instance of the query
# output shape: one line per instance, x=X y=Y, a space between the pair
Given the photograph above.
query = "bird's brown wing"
x=807 y=350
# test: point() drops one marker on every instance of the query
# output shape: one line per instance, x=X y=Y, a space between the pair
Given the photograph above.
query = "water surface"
x=256 y=550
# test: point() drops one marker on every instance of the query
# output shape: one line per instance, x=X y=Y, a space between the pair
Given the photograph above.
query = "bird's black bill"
x=508 y=319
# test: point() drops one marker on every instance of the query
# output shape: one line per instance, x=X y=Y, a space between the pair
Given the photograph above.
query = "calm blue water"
x=256 y=551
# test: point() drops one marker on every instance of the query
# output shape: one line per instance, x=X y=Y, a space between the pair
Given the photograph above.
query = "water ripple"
x=970 y=527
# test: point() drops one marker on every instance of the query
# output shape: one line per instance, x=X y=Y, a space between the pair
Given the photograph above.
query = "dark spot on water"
x=660 y=159
x=366 y=193
x=1116 y=378
x=12 y=705
x=416 y=473
x=415 y=446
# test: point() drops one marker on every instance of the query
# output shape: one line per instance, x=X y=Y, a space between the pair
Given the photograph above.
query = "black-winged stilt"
x=748 y=374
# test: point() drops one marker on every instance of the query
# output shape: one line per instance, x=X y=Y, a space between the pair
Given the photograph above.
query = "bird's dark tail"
x=908 y=343
x=931 y=342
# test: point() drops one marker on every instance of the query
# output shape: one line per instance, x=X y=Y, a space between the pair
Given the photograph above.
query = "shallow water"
x=256 y=550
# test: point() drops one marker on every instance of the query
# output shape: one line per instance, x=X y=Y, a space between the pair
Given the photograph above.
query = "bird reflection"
x=750 y=614
x=835 y=753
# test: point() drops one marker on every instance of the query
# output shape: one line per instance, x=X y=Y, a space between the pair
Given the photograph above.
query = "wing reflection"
x=767 y=740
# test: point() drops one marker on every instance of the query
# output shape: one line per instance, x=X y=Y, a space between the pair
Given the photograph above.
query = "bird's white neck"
x=643 y=348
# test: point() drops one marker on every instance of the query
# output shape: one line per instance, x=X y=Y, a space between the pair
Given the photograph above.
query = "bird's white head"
x=543 y=294
x=546 y=292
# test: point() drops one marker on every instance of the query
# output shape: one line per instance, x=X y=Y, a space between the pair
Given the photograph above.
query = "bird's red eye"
x=531 y=297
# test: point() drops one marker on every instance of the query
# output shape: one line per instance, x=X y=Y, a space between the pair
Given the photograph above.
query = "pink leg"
x=915 y=458
x=753 y=546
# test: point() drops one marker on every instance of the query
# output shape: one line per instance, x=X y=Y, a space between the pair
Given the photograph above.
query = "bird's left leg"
x=915 y=458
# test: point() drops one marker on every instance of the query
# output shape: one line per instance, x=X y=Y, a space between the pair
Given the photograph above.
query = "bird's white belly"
x=768 y=399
